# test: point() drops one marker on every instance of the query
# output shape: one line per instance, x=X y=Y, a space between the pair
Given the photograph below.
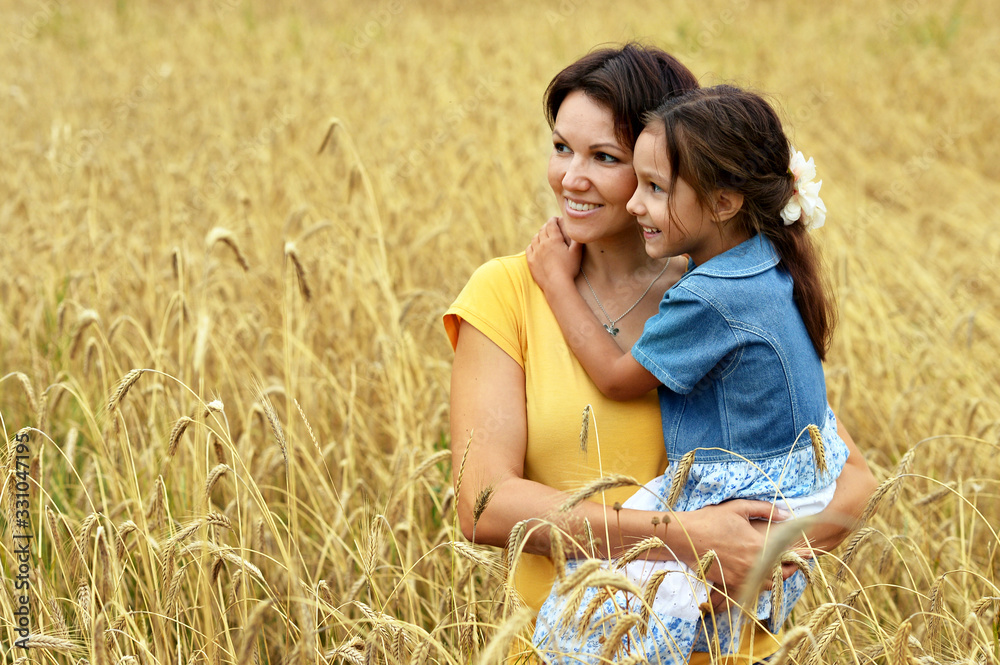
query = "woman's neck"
x=612 y=259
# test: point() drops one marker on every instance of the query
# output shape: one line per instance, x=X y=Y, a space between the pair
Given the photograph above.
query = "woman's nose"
x=575 y=178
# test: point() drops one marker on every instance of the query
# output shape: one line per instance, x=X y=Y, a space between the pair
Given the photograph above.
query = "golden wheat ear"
x=226 y=237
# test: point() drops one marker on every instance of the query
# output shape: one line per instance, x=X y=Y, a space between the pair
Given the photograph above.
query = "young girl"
x=736 y=352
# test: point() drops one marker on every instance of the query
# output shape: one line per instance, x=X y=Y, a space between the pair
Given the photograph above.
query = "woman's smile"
x=579 y=208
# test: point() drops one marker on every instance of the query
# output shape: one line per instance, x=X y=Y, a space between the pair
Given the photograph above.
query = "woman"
x=517 y=391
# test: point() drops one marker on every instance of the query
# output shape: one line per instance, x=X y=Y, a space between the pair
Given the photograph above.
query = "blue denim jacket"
x=738 y=368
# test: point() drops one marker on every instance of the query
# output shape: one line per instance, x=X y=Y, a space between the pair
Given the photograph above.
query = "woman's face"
x=590 y=172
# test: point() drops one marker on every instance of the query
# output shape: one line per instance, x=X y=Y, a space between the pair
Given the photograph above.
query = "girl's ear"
x=727 y=203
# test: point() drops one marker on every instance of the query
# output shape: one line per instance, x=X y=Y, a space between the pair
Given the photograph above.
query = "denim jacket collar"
x=750 y=257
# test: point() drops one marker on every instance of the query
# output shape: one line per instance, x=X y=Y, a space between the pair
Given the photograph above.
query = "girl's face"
x=590 y=172
x=671 y=224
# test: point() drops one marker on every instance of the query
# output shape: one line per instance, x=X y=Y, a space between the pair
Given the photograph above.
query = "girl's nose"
x=634 y=205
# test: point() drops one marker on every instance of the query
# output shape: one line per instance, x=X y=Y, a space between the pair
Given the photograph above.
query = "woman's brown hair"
x=629 y=81
x=727 y=138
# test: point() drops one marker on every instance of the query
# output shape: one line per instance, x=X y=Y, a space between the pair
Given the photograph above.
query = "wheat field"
x=229 y=233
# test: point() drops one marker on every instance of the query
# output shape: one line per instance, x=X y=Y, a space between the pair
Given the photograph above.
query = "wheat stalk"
x=585 y=428
x=86 y=318
x=680 y=477
x=614 y=643
x=29 y=390
x=124 y=386
x=852 y=548
x=792 y=639
x=98 y=646
x=175 y=434
x=214 y=475
x=291 y=253
x=226 y=237
x=596 y=487
x=899 y=653
x=819 y=449
x=49 y=642
x=251 y=633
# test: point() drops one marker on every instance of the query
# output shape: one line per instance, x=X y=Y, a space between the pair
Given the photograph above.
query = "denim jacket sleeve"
x=687 y=339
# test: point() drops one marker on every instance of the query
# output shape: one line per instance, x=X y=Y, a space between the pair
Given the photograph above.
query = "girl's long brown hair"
x=727 y=138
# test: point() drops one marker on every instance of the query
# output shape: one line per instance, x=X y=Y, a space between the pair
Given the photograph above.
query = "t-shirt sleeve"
x=685 y=341
x=491 y=303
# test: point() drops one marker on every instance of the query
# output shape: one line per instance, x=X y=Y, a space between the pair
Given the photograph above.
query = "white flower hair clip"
x=805 y=205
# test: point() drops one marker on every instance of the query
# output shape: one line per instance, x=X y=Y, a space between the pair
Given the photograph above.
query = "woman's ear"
x=727 y=203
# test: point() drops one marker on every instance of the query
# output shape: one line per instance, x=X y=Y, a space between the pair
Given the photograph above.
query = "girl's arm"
x=554 y=266
x=488 y=418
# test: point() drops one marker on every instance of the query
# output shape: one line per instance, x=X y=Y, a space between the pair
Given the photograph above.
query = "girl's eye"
x=605 y=158
x=656 y=188
x=560 y=147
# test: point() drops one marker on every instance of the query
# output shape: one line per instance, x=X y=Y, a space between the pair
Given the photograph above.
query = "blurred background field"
x=268 y=207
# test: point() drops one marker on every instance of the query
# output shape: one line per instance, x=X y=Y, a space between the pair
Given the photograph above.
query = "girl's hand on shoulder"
x=553 y=260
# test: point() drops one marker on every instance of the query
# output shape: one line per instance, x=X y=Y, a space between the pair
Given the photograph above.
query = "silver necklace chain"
x=610 y=327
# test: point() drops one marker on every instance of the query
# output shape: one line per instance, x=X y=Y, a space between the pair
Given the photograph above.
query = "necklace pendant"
x=611 y=329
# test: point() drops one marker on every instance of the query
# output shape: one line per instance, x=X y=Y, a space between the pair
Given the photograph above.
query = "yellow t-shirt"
x=500 y=300
x=503 y=302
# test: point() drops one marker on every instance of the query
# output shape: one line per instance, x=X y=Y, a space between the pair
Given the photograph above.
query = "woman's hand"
x=554 y=260
x=736 y=530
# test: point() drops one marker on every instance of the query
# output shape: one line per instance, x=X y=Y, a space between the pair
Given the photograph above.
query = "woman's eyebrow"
x=594 y=146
